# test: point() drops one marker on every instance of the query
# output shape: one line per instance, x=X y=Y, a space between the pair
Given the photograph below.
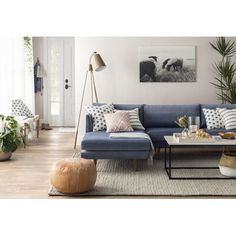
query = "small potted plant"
x=182 y=121
x=9 y=137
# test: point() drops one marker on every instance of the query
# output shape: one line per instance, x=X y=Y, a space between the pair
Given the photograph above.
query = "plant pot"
x=227 y=164
x=4 y=156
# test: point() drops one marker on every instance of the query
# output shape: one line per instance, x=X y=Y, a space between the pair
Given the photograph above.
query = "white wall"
x=38 y=53
x=119 y=82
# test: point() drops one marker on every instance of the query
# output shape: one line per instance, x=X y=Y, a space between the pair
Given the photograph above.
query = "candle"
x=193 y=128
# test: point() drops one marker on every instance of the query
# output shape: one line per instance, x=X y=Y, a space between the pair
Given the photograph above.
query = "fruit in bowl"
x=227 y=135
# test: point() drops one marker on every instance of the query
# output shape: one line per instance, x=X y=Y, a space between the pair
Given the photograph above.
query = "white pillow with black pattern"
x=20 y=109
x=213 y=119
x=97 y=112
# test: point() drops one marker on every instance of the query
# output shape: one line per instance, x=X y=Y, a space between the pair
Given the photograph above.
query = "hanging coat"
x=37 y=80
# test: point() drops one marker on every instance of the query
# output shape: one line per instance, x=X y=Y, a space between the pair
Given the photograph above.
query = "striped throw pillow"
x=229 y=117
x=134 y=119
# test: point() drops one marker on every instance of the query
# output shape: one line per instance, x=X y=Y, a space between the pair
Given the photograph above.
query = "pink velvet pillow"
x=118 y=121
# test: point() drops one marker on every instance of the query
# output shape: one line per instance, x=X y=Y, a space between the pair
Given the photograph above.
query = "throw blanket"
x=135 y=135
x=22 y=121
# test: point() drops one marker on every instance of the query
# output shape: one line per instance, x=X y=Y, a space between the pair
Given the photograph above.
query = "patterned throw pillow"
x=213 y=118
x=97 y=113
x=118 y=121
x=134 y=119
x=229 y=117
x=20 y=109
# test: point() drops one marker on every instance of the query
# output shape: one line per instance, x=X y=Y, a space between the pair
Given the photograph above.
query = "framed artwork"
x=167 y=64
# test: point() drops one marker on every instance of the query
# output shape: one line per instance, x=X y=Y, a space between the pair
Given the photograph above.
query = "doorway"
x=59 y=86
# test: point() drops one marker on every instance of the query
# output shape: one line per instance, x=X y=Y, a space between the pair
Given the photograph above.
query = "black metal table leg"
x=165 y=157
x=170 y=156
x=169 y=168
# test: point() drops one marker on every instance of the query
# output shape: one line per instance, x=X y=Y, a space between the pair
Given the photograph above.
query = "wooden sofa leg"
x=95 y=162
x=136 y=164
x=158 y=152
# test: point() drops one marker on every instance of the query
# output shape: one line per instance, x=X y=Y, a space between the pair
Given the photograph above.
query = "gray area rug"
x=117 y=178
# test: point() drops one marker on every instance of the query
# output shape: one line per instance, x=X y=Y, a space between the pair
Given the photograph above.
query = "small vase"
x=4 y=156
x=185 y=132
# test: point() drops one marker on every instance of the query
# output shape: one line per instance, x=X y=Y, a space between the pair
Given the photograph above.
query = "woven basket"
x=227 y=164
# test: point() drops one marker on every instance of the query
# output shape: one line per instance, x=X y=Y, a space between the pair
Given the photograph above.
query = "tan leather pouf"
x=73 y=175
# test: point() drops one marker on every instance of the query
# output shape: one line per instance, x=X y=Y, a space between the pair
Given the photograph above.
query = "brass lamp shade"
x=98 y=62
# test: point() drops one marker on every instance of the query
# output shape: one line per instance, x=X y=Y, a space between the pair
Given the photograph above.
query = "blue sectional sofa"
x=158 y=120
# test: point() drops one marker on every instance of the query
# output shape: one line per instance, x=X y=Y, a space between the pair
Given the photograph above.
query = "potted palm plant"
x=9 y=137
x=225 y=70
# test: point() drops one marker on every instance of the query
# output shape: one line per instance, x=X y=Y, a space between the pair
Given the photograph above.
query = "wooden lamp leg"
x=81 y=105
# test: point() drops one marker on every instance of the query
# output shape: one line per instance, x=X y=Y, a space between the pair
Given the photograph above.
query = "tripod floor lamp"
x=98 y=66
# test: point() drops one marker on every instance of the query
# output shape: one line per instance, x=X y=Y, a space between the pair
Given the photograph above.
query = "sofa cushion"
x=131 y=107
x=128 y=107
x=128 y=154
x=213 y=119
x=229 y=117
x=157 y=134
x=88 y=123
x=118 y=121
x=166 y=115
x=101 y=141
x=213 y=106
x=134 y=119
x=98 y=113
x=19 y=108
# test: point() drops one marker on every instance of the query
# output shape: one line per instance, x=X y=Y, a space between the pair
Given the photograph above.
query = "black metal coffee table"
x=171 y=143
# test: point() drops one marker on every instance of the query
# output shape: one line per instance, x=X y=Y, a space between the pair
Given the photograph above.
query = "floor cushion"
x=73 y=175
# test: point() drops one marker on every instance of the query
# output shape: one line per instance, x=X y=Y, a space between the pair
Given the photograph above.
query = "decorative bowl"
x=227 y=135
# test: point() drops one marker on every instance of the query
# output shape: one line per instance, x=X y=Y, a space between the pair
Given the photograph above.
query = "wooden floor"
x=26 y=174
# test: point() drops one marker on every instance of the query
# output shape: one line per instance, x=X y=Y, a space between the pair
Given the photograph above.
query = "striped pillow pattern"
x=229 y=117
x=134 y=119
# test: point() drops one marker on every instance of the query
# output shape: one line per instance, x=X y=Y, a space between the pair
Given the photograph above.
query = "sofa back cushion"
x=131 y=107
x=166 y=115
x=213 y=106
x=127 y=107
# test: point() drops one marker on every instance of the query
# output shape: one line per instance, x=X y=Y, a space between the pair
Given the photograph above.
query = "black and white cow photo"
x=167 y=64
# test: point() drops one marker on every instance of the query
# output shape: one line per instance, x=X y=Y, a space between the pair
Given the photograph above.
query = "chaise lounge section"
x=98 y=145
